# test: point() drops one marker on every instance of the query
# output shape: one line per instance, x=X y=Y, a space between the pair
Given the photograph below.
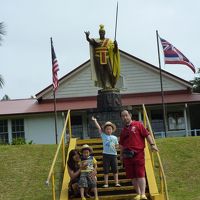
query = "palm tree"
x=2 y=32
x=1 y=81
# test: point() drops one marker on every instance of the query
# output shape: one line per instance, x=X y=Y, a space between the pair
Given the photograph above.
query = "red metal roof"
x=28 y=106
x=156 y=99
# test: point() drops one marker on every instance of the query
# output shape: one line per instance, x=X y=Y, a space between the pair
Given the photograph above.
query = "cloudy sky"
x=25 y=49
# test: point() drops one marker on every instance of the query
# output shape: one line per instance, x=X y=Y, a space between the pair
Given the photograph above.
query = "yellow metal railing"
x=156 y=162
x=66 y=178
x=62 y=145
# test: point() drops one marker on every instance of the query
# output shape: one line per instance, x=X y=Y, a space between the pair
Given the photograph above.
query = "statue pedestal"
x=109 y=100
x=108 y=109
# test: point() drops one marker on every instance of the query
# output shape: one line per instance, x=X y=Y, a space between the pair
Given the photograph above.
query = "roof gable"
x=139 y=77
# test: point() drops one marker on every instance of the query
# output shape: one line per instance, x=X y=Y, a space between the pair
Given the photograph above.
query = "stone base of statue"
x=109 y=106
x=109 y=100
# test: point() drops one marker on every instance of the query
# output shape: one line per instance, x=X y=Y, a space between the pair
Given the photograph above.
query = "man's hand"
x=154 y=147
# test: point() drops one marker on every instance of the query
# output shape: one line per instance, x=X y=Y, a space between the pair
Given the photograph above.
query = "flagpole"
x=54 y=96
x=161 y=86
x=55 y=116
x=116 y=18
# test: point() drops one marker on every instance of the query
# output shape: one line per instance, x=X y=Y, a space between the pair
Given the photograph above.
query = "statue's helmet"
x=101 y=28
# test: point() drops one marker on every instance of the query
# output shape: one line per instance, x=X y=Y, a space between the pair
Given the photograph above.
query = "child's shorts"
x=109 y=161
x=85 y=181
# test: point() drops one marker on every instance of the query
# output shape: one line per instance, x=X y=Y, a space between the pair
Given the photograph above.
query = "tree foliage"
x=2 y=32
x=196 y=83
x=5 y=98
x=1 y=81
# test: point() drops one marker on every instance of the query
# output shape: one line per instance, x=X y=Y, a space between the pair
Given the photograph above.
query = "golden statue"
x=105 y=60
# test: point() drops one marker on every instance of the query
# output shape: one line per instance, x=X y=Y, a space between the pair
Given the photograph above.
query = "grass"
x=181 y=161
x=24 y=169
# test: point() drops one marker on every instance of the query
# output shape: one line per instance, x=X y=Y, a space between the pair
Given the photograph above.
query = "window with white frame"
x=176 y=120
x=18 y=128
x=3 y=131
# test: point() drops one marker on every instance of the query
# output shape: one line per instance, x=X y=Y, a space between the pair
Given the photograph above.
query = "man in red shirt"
x=132 y=144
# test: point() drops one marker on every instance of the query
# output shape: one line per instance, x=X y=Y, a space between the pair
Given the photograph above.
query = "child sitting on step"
x=110 y=143
x=87 y=180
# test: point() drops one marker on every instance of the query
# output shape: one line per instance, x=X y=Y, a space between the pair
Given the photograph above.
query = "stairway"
x=126 y=191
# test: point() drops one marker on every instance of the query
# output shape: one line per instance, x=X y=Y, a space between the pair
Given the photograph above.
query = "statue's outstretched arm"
x=91 y=41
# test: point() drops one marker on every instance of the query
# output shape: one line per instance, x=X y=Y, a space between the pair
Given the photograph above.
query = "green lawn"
x=181 y=161
x=24 y=169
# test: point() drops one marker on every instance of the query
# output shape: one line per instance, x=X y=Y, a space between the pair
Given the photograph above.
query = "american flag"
x=55 y=68
x=173 y=56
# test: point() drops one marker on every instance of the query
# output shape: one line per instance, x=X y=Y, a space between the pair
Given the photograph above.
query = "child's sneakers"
x=105 y=186
x=143 y=196
x=117 y=185
x=137 y=197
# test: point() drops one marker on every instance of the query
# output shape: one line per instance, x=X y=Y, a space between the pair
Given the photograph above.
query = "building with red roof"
x=139 y=83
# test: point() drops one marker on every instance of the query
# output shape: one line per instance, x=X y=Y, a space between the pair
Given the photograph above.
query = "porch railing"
x=178 y=133
x=156 y=161
x=60 y=148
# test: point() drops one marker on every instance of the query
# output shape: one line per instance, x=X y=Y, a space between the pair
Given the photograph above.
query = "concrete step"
x=114 y=197
x=111 y=175
x=95 y=141
x=125 y=192
x=122 y=181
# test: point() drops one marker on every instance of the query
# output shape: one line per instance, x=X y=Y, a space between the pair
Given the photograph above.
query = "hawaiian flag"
x=55 y=68
x=173 y=56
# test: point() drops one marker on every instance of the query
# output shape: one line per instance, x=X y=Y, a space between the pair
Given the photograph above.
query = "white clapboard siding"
x=138 y=76
x=78 y=85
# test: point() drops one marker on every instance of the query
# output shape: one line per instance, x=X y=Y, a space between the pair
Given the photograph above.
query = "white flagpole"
x=161 y=87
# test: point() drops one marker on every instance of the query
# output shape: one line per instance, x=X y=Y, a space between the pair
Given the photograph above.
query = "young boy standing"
x=86 y=179
x=110 y=143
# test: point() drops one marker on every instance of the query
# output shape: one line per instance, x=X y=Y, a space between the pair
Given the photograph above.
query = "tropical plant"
x=2 y=32
x=5 y=98
x=1 y=81
x=196 y=83
x=18 y=141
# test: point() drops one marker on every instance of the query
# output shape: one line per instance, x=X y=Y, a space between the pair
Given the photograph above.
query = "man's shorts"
x=135 y=167
x=85 y=181
x=109 y=161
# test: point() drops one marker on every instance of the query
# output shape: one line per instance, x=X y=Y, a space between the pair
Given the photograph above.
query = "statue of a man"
x=105 y=60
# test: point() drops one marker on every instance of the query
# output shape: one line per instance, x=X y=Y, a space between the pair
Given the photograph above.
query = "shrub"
x=18 y=141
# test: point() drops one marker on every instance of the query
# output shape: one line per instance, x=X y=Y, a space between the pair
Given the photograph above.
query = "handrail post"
x=163 y=184
x=69 y=127
x=53 y=186
x=63 y=152
x=60 y=145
